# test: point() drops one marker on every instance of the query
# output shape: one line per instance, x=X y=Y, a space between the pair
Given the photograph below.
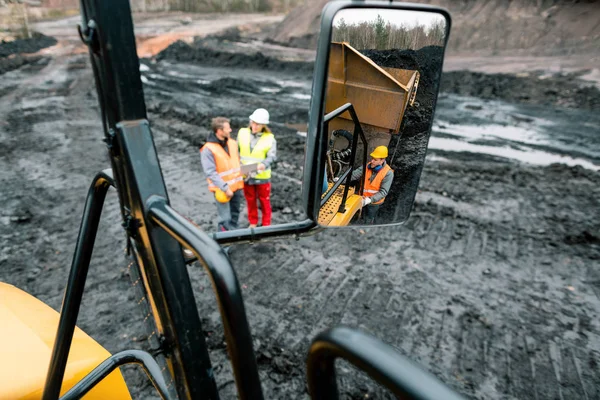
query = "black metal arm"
x=142 y=358
x=76 y=282
x=347 y=175
x=227 y=290
x=382 y=362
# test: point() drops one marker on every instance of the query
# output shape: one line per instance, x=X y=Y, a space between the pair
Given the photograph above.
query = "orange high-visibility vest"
x=228 y=165
x=371 y=188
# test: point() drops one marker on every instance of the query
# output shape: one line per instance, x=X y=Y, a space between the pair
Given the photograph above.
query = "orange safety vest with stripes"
x=227 y=165
x=371 y=188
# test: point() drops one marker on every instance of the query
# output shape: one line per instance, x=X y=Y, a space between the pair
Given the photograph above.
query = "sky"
x=395 y=17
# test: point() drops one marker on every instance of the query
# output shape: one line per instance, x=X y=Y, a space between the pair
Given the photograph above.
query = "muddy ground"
x=493 y=284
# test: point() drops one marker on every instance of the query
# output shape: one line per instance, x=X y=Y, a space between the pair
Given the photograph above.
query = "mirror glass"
x=383 y=76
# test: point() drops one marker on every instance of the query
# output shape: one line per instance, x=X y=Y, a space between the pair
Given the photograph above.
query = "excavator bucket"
x=379 y=95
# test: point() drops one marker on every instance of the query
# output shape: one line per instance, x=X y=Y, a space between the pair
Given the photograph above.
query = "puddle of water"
x=433 y=157
x=300 y=96
x=477 y=132
x=147 y=81
x=284 y=83
x=529 y=156
x=180 y=75
x=158 y=77
x=34 y=104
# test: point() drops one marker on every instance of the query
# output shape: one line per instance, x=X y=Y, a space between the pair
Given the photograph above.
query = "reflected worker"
x=221 y=164
x=378 y=180
x=258 y=146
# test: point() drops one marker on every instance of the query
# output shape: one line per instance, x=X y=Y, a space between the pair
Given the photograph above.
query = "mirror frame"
x=316 y=145
x=316 y=141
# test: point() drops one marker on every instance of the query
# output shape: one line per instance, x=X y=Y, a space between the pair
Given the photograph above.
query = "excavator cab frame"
x=340 y=203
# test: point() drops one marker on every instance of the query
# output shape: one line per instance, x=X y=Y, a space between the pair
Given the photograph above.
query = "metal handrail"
x=357 y=130
x=140 y=357
x=227 y=290
x=76 y=282
x=381 y=361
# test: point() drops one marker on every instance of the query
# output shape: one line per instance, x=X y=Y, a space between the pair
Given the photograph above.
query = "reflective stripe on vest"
x=258 y=153
x=371 y=188
x=227 y=165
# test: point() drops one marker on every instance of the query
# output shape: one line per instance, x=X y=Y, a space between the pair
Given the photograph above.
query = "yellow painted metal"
x=379 y=95
x=28 y=329
x=329 y=215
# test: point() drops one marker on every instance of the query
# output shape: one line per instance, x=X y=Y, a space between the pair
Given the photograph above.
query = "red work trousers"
x=262 y=193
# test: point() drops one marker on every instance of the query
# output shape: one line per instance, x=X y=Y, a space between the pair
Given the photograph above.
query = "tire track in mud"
x=497 y=302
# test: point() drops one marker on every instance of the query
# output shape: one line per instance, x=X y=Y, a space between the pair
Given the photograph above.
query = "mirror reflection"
x=383 y=76
x=238 y=170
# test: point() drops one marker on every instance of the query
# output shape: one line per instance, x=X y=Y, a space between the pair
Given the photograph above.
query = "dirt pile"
x=560 y=91
x=21 y=46
x=428 y=61
x=554 y=27
x=197 y=53
x=407 y=150
x=301 y=26
x=12 y=53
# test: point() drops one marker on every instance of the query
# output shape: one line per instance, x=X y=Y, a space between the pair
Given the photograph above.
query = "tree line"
x=381 y=35
x=216 y=5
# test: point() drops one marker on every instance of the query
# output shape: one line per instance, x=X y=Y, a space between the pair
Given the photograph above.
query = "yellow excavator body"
x=330 y=215
x=28 y=329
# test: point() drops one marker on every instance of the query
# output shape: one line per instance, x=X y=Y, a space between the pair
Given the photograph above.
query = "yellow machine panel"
x=329 y=215
x=28 y=329
x=379 y=95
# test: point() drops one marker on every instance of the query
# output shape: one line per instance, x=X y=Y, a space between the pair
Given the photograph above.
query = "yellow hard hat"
x=221 y=196
x=380 y=152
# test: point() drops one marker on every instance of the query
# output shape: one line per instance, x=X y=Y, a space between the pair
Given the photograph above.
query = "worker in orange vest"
x=378 y=180
x=221 y=164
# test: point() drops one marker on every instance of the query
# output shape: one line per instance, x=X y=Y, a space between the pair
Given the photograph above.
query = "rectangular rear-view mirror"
x=375 y=88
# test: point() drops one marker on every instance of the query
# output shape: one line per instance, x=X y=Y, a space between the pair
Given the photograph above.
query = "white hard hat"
x=260 y=116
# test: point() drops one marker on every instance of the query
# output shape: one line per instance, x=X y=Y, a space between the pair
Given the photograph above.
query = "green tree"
x=382 y=33
x=340 y=32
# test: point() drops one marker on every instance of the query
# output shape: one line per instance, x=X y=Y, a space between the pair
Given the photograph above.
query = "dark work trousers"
x=229 y=213
x=370 y=212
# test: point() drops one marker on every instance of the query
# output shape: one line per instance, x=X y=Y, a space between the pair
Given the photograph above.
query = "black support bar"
x=115 y=361
x=347 y=176
x=381 y=361
x=76 y=283
x=227 y=290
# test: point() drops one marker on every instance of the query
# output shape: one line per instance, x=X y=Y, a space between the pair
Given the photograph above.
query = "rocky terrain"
x=493 y=284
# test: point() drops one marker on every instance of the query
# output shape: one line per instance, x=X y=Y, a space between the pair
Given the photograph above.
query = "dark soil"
x=492 y=284
x=560 y=91
x=197 y=53
x=13 y=54
x=37 y=42
x=408 y=148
